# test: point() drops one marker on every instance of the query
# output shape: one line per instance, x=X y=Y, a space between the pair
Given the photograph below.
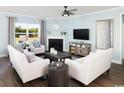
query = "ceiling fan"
x=68 y=12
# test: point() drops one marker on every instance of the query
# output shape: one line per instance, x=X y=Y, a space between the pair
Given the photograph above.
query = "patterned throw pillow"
x=30 y=56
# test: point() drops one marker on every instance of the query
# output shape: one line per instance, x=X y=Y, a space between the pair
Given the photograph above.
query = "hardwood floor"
x=9 y=77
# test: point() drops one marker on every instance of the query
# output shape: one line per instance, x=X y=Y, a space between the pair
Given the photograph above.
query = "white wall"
x=3 y=35
x=89 y=21
x=123 y=36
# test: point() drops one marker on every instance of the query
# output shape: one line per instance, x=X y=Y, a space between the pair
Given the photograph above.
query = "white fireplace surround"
x=56 y=37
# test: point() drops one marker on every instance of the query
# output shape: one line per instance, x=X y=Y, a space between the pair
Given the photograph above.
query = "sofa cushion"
x=30 y=56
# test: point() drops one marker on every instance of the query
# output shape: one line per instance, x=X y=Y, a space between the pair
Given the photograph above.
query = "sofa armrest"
x=42 y=46
x=78 y=70
x=34 y=70
x=36 y=66
x=79 y=64
x=78 y=60
x=75 y=63
x=40 y=49
x=68 y=61
x=40 y=63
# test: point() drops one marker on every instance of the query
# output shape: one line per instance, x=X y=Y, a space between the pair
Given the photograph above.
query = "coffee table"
x=59 y=55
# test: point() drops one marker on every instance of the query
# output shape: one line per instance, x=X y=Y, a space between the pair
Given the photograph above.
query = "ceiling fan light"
x=65 y=15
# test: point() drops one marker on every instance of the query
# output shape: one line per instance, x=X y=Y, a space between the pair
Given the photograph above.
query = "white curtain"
x=104 y=34
x=11 y=30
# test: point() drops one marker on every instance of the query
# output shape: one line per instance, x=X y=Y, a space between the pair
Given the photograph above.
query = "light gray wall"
x=89 y=21
x=22 y=19
x=3 y=35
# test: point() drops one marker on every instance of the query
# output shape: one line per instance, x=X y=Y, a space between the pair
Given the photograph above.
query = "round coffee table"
x=58 y=77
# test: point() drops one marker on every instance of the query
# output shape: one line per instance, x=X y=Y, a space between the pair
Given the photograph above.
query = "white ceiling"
x=51 y=11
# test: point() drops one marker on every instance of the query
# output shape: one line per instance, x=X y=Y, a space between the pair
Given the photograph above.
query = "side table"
x=58 y=77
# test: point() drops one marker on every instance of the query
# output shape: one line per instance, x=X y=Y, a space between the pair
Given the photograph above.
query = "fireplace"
x=56 y=44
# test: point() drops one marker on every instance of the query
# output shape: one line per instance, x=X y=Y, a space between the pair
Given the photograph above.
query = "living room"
x=60 y=41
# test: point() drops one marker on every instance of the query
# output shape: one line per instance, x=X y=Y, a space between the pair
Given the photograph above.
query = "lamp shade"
x=65 y=14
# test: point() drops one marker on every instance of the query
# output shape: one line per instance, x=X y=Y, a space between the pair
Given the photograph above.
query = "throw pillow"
x=30 y=56
x=19 y=47
x=36 y=44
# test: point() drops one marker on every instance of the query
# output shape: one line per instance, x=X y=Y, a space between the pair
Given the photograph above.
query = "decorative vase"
x=52 y=50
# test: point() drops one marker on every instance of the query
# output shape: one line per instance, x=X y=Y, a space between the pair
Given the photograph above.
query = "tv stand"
x=80 y=49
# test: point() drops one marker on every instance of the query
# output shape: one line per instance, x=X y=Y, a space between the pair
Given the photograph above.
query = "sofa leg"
x=47 y=76
x=70 y=77
x=44 y=77
x=10 y=64
x=24 y=85
x=108 y=71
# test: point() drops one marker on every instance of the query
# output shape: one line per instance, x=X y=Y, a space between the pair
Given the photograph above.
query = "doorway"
x=104 y=34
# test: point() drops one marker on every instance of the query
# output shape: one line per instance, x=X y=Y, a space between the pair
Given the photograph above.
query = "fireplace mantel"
x=56 y=37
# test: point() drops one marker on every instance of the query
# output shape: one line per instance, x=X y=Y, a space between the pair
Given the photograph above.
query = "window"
x=26 y=29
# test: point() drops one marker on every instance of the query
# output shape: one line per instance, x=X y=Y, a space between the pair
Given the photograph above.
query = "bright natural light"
x=29 y=30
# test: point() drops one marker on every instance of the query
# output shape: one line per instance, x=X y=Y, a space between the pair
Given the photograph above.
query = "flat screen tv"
x=82 y=34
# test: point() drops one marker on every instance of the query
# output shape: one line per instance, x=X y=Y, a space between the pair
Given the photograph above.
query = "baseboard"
x=3 y=55
x=117 y=61
x=66 y=50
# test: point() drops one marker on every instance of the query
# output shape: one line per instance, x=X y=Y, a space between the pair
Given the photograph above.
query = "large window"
x=26 y=29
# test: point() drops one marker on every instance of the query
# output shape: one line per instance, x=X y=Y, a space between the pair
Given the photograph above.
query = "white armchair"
x=27 y=71
x=37 y=48
x=90 y=67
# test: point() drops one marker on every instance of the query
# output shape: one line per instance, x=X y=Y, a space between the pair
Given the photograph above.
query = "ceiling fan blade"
x=71 y=13
x=73 y=10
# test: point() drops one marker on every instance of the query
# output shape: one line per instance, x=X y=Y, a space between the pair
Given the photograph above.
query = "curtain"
x=11 y=30
x=104 y=34
x=43 y=32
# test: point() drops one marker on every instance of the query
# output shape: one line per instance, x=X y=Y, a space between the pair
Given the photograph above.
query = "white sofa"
x=27 y=71
x=88 y=68
x=37 y=48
